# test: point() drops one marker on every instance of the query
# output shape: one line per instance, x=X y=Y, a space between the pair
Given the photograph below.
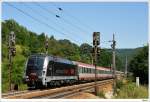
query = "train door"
x=50 y=68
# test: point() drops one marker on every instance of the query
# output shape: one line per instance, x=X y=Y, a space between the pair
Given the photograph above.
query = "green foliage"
x=119 y=84
x=130 y=91
x=101 y=94
x=139 y=65
x=85 y=52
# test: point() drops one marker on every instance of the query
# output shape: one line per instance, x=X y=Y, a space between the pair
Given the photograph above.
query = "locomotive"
x=44 y=70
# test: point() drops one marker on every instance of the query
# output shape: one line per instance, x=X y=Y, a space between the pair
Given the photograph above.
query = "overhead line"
x=56 y=15
x=45 y=17
x=75 y=18
x=38 y=20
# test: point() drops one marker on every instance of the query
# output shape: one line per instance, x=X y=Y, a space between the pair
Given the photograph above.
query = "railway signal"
x=96 y=50
x=96 y=38
x=12 y=53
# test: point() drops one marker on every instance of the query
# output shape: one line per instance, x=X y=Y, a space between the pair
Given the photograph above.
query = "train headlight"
x=27 y=77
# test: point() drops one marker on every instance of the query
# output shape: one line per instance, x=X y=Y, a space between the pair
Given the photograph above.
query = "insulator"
x=60 y=9
x=57 y=16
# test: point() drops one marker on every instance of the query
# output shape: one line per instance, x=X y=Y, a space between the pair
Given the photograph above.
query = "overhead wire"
x=37 y=20
x=47 y=18
x=58 y=16
x=72 y=16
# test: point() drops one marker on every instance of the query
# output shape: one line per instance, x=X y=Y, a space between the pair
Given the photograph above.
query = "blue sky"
x=129 y=21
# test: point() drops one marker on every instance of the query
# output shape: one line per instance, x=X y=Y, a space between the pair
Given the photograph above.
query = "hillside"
x=122 y=53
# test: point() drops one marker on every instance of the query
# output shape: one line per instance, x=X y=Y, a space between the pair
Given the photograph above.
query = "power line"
x=48 y=18
x=75 y=18
x=47 y=25
x=56 y=15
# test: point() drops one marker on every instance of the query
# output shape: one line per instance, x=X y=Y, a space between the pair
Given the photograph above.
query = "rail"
x=58 y=92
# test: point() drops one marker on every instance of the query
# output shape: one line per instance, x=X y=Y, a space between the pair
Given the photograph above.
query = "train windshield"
x=35 y=63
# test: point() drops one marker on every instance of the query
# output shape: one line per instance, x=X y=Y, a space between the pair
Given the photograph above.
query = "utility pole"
x=114 y=62
x=91 y=55
x=126 y=67
x=12 y=53
x=46 y=44
x=96 y=50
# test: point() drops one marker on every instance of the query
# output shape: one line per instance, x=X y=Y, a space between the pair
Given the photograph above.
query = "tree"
x=85 y=53
x=139 y=65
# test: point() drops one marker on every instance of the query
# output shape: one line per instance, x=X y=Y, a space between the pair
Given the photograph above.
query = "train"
x=43 y=70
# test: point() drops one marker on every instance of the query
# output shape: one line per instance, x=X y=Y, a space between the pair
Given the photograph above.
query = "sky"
x=78 y=21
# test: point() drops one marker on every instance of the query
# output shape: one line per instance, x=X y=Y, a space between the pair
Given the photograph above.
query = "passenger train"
x=43 y=70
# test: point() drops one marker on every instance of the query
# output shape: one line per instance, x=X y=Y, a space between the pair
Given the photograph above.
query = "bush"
x=119 y=83
x=101 y=94
x=131 y=91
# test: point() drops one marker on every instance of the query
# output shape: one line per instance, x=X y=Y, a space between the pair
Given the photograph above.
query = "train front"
x=33 y=71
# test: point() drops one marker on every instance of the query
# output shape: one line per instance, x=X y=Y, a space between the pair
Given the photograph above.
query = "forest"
x=28 y=42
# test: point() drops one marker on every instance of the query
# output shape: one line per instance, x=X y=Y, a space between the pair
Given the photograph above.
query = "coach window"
x=90 y=70
x=100 y=71
x=85 y=70
x=79 y=70
x=82 y=69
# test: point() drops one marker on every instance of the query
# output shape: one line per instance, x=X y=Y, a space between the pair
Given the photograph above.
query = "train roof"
x=91 y=66
x=62 y=60
x=55 y=58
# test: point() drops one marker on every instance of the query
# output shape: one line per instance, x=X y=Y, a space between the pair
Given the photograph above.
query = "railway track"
x=14 y=93
x=62 y=92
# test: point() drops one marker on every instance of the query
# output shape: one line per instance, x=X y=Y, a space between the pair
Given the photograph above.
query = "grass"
x=101 y=94
x=131 y=91
x=21 y=87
